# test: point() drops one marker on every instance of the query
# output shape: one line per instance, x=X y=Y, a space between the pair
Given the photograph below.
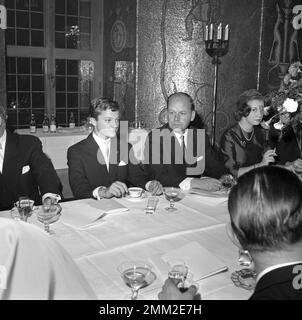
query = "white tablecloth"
x=55 y=145
x=134 y=235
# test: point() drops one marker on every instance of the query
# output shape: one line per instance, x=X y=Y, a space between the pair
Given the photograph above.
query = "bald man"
x=180 y=155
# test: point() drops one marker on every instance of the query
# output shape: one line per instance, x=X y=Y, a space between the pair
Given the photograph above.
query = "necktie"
x=107 y=151
x=183 y=148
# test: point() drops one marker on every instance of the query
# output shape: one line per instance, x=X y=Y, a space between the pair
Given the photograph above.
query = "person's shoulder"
x=232 y=129
x=26 y=139
x=81 y=144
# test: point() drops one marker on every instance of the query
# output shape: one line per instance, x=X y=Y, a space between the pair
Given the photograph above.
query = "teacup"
x=135 y=192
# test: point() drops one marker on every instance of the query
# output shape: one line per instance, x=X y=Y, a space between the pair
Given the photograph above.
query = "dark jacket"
x=87 y=169
x=279 y=284
x=171 y=173
x=27 y=171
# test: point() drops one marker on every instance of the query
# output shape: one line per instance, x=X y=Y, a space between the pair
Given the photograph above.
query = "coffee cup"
x=135 y=192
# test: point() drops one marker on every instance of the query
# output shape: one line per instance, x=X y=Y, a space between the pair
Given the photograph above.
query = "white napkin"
x=211 y=198
x=84 y=213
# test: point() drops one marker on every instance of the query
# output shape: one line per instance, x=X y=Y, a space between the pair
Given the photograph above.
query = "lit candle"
x=206 y=36
x=219 y=32
x=226 y=32
x=211 y=32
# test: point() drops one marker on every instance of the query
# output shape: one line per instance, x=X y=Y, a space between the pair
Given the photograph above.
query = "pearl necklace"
x=247 y=139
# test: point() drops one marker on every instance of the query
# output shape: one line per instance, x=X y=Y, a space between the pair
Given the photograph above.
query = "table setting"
x=102 y=235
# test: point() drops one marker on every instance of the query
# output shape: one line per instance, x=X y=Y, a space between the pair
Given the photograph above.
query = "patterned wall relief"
x=282 y=44
x=171 y=55
x=120 y=53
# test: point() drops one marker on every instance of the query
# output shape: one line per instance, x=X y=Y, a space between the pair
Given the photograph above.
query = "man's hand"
x=170 y=291
x=155 y=188
x=207 y=184
x=297 y=165
x=117 y=189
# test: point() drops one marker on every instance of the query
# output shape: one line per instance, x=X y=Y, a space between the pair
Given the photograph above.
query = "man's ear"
x=93 y=121
x=193 y=115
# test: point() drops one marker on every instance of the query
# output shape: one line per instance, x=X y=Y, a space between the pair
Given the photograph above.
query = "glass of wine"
x=136 y=275
x=49 y=213
x=172 y=195
x=23 y=209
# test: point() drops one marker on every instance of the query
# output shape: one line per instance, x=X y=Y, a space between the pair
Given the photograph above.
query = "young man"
x=176 y=154
x=24 y=169
x=102 y=165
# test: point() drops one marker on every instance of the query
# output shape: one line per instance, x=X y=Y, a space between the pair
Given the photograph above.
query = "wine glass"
x=172 y=195
x=50 y=213
x=178 y=270
x=136 y=275
x=23 y=209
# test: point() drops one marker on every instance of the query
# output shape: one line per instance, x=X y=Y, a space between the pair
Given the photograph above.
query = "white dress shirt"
x=2 y=149
x=104 y=145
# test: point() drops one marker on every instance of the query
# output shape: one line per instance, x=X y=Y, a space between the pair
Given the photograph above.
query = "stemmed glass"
x=50 y=213
x=136 y=275
x=172 y=195
x=23 y=209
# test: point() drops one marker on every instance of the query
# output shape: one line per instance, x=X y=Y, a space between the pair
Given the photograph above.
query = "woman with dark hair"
x=243 y=144
x=266 y=217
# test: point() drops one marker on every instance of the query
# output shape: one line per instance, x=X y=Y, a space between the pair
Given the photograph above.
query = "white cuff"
x=186 y=184
x=51 y=195
x=95 y=193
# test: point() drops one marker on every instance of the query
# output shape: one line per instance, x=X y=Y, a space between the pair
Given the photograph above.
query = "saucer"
x=138 y=199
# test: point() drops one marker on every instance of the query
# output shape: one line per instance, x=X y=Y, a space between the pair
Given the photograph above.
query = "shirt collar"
x=100 y=140
x=276 y=266
x=179 y=135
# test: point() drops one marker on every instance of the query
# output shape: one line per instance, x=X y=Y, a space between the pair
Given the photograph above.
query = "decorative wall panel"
x=120 y=53
x=282 y=44
x=171 y=55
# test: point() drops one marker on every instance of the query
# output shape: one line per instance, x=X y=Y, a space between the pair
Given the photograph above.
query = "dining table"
x=101 y=235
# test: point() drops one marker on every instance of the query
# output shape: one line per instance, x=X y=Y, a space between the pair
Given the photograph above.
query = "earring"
x=245 y=258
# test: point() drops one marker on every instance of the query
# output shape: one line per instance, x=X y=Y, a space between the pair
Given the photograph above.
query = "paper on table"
x=88 y=212
x=199 y=260
x=211 y=198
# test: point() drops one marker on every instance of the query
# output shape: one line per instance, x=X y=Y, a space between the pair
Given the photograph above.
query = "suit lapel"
x=11 y=160
x=114 y=159
x=95 y=152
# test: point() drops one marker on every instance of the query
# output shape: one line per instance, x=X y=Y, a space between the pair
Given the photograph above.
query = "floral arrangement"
x=284 y=105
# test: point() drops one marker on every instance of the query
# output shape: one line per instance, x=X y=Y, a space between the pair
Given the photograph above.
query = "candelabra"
x=216 y=47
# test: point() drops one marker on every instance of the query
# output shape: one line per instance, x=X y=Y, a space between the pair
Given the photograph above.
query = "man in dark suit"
x=24 y=169
x=265 y=209
x=178 y=154
x=102 y=165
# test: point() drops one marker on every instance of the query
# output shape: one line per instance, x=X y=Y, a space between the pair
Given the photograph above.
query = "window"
x=53 y=50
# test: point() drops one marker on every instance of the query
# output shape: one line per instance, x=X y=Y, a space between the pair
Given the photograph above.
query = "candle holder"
x=216 y=48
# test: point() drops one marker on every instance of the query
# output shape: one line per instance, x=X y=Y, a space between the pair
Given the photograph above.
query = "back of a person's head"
x=266 y=209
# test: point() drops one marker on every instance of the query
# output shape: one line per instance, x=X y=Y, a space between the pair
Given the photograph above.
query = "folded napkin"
x=84 y=213
x=211 y=198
